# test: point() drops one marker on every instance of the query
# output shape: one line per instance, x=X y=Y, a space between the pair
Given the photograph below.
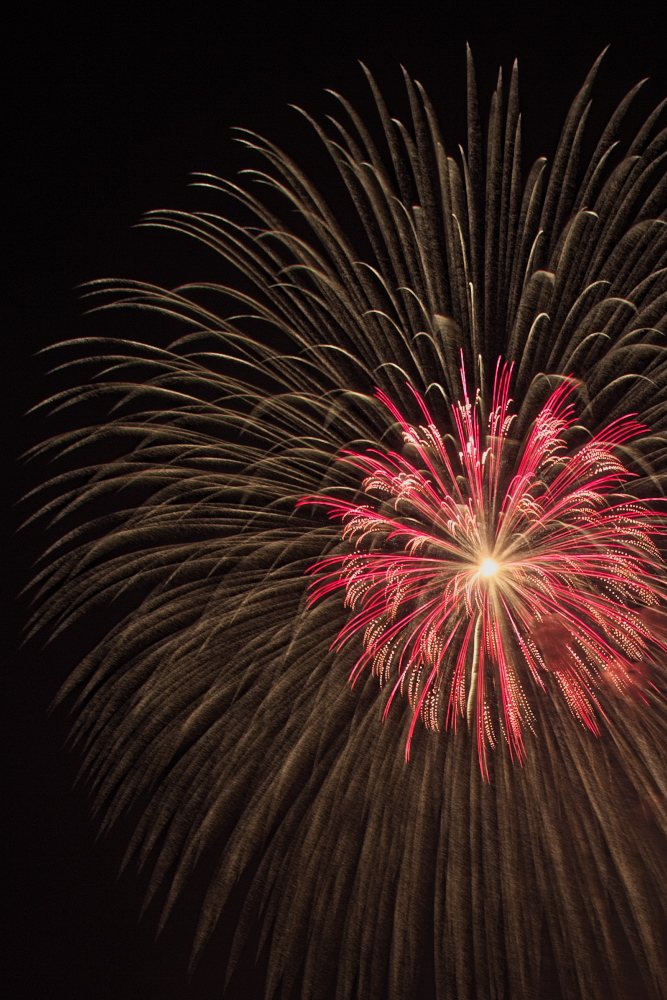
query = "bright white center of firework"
x=489 y=568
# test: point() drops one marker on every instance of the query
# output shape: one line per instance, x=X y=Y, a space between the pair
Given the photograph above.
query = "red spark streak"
x=578 y=569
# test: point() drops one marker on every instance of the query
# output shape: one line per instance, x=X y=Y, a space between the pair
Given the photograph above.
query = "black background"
x=106 y=120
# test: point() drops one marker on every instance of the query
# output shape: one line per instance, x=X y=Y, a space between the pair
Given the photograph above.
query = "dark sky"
x=107 y=120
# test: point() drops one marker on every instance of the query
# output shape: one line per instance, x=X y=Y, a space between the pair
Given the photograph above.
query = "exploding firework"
x=502 y=558
x=309 y=530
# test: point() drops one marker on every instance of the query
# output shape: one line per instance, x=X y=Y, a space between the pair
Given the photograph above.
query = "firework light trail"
x=353 y=495
x=490 y=563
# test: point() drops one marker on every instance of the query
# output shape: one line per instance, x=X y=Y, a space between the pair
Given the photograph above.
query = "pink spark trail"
x=485 y=568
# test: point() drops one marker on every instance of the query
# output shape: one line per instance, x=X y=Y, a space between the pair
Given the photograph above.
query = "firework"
x=502 y=557
x=308 y=531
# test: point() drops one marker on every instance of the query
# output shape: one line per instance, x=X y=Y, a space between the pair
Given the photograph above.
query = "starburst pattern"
x=487 y=562
x=218 y=706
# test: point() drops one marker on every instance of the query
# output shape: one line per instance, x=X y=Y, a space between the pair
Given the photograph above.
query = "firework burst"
x=336 y=499
x=486 y=564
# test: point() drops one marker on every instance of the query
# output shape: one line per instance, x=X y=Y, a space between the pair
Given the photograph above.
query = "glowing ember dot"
x=489 y=567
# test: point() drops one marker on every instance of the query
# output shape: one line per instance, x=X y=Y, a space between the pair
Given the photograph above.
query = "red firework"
x=483 y=566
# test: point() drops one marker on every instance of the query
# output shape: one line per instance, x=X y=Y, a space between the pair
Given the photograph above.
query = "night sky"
x=106 y=121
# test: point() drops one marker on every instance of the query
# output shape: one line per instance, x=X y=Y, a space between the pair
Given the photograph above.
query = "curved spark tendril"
x=487 y=564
